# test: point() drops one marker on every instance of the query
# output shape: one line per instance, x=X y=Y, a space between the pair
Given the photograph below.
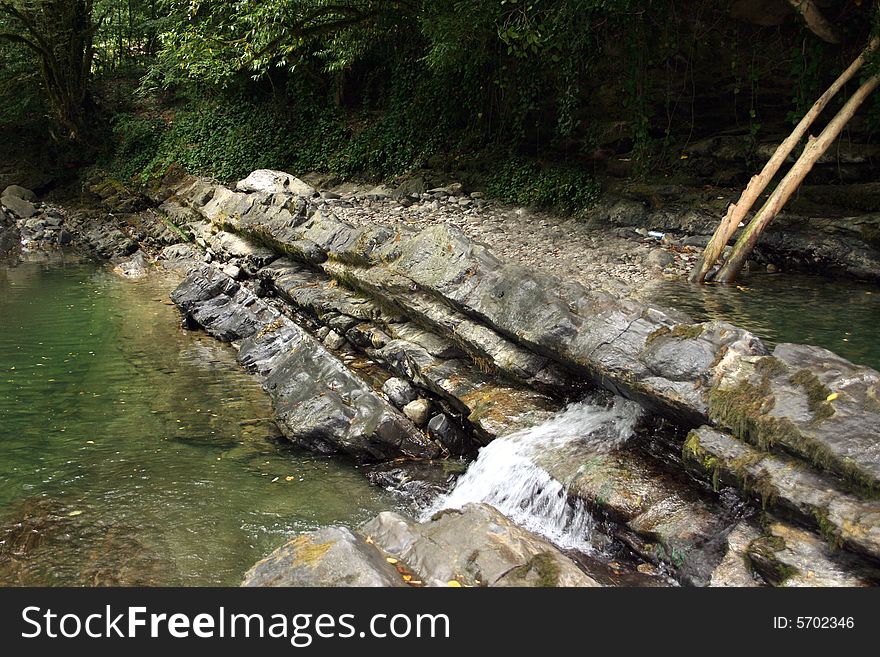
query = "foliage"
x=525 y=182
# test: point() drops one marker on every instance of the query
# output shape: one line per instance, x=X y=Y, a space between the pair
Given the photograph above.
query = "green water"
x=135 y=453
x=843 y=316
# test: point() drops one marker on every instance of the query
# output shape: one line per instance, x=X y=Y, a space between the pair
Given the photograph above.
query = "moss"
x=817 y=395
x=830 y=532
x=762 y=554
x=544 y=566
x=308 y=553
x=693 y=452
x=681 y=331
x=770 y=366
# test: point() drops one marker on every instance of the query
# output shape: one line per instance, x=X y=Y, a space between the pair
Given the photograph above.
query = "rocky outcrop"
x=476 y=546
x=493 y=347
x=320 y=403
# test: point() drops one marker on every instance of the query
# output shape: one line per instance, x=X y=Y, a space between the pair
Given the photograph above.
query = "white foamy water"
x=506 y=475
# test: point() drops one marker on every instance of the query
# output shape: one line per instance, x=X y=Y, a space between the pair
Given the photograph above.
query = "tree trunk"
x=737 y=212
x=783 y=192
x=60 y=33
x=815 y=20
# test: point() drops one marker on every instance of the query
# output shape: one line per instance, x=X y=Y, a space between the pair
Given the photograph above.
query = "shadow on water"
x=133 y=452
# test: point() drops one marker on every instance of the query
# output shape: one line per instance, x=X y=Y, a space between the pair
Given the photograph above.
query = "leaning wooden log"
x=814 y=19
x=783 y=192
x=738 y=211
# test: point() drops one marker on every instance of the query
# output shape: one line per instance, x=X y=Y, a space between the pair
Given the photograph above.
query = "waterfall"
x=507 y=474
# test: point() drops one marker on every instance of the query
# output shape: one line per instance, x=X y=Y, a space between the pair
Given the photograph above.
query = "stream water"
x=840 y=315
x=135 y=453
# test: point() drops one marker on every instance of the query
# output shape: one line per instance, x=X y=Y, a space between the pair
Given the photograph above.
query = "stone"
x=20 y=192
x=474 y=546
x=808 y=401
x=790 y=485
x=20 y=207
x=735 y=568
x=332 y=556
x=399 y=391
x=419 y=411
x=334 y=340
x=233 y=271
x=660 y=258
x=790 y=556
x=274 y=182
x=451 y=436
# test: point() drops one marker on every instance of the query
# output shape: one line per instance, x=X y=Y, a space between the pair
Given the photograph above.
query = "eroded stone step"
x=779 y=481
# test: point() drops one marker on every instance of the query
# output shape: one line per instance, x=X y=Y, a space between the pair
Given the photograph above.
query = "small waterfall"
x=506 y=473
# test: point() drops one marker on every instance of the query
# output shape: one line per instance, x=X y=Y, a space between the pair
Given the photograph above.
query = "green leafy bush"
x=560 y=187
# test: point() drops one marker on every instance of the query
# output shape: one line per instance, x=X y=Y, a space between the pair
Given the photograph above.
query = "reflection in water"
x=843 y=316
x=132 y=452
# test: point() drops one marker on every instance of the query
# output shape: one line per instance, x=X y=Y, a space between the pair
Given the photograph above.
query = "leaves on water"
x=832 y=396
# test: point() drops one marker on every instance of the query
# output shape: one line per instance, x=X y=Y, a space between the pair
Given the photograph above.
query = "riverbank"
x=490 y=348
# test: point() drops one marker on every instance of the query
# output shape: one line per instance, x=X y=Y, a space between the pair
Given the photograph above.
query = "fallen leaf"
x=454 y=583
x=90 y=442
x=407 y=578
x=368 y=540
x=289 y=478
x=74 y=514
x=391 y=560
x=832 y=396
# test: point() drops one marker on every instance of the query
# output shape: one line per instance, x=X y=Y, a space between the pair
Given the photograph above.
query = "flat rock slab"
x=474 y=546
x=784 y=482
x=810 y=402
x=790 y=556
x=332 y=556
x=320 y=403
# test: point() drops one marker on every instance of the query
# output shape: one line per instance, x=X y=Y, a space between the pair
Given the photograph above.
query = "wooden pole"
x=737 y=212
x=812 y=152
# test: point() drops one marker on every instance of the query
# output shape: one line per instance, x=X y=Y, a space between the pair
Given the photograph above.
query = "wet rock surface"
x=332 y=556
x=476 y=546
x=329 y=296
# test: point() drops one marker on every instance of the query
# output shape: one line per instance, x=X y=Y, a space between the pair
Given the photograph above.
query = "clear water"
x=843 y=316
x=508 y=473
x=135 y=453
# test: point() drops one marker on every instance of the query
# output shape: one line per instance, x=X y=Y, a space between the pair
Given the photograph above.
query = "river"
x=133 y=452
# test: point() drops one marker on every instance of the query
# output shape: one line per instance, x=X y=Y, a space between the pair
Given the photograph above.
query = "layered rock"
x=477 y=546
x=319 y=402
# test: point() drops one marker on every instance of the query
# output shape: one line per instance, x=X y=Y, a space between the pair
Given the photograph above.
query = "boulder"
x=399 y=391
x=332 y=556
x=20 y=192
x=474 y=546
x=790 y=556
x=419 y=411
x=18 y=206
x=274 y=182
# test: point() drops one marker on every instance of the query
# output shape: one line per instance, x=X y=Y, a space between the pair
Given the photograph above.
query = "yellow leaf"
x=454 y=583
x=74 y=514
x=289 y=478
x=391 y=560
x=90 y=442
x=407 y=578
x=832 y=396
